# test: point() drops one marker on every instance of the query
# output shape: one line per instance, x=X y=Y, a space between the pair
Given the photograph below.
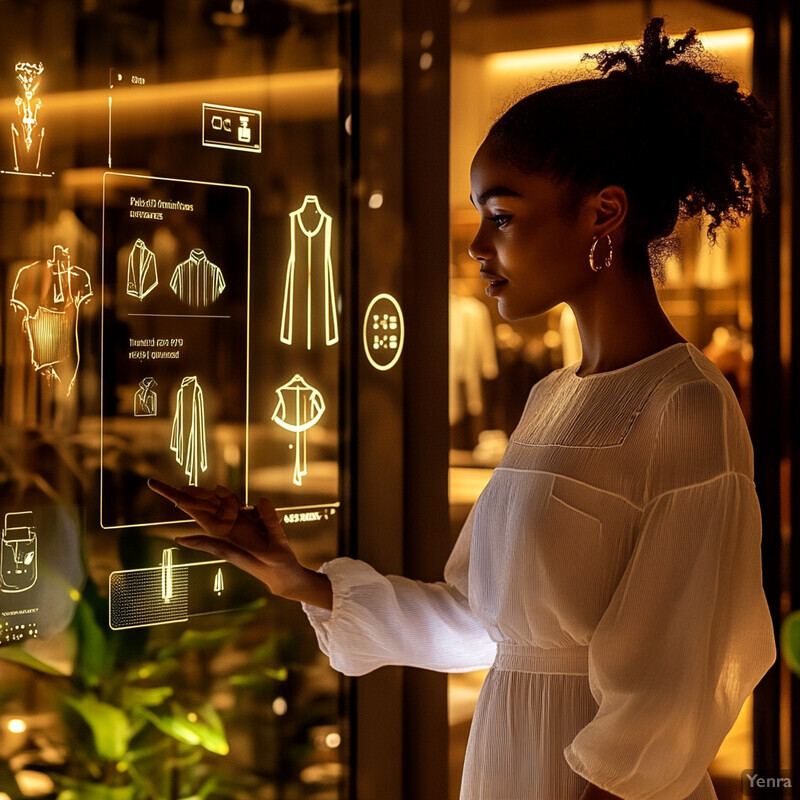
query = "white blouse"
x=610 y=573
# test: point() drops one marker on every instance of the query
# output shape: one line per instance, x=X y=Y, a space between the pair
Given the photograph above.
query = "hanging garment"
x=142 y=271
x=196 y=281
x=610 y=573
x=473 y=357
x=299 y=408
x=145 y=401
x=188 y=440
x=308 y=294
x=50 y=294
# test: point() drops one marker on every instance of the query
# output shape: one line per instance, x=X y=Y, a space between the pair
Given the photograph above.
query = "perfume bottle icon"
x=18 y=553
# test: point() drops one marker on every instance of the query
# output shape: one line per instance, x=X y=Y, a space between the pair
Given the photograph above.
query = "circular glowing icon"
x=384 y=332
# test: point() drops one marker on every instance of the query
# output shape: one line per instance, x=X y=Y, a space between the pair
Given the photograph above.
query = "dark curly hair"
x=679 y=137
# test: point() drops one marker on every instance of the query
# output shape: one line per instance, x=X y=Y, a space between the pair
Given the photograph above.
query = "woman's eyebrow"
x=495 y=191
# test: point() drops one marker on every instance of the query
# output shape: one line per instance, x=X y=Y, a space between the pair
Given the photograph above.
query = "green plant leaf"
x=203 y=729
x=790 y=641
x=19 y=655
x=259 y=677
x=110 y=727
x=135 y=696
x=91 y=791
x=90 y=662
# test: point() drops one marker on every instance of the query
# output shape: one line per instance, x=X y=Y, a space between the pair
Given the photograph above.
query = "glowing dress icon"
x=309 y=274
x=299 y=408
x=27 y=139
x=50 y=294
x=188 y=440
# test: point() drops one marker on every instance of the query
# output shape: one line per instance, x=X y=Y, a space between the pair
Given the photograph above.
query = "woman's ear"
x=610 y=208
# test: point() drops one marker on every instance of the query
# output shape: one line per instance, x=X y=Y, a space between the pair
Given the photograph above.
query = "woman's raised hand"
x=250 y=538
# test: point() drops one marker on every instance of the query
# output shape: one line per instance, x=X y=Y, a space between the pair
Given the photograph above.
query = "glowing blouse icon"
x=50 y=294
x=299 y=408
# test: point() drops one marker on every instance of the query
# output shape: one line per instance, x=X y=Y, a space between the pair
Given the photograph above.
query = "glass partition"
x=172 y=208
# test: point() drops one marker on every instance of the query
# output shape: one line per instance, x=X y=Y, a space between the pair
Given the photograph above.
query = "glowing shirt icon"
x=196 y=281
x=299 y=408
x=309 y=275
x=50 y=294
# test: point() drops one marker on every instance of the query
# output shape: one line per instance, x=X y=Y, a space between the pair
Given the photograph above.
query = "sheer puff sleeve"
x=687 y=634
x=380 y=620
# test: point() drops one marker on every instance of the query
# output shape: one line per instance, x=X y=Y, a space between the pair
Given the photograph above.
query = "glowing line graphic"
x=19 y=554
x=384 y=331
x=299 y=408
x=50 y=294
x=167 y=567
x=309 y=220
x=28 y=105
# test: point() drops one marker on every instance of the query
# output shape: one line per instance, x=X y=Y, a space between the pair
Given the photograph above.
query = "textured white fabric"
x=611 y=570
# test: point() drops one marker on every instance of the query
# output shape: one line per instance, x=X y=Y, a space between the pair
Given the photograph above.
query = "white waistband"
x=548 y=660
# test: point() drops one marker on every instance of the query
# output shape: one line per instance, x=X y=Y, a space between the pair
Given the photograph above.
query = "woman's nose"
x=478 y=249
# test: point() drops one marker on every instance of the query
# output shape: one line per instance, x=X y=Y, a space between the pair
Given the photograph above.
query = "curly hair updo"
x=680 y=138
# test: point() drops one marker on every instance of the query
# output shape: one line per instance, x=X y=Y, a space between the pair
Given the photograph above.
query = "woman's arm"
x=249 y=537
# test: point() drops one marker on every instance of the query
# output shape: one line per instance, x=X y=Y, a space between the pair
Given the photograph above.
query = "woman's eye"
x=500 y=219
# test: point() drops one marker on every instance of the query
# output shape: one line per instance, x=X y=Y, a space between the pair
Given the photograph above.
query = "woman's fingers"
x=224 y=549
x=188 y=498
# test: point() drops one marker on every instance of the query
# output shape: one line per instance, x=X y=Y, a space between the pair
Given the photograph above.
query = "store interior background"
x=295 y=728
x=706 y=291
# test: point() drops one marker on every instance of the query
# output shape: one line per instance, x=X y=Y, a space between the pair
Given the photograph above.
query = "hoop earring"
x=607 y=261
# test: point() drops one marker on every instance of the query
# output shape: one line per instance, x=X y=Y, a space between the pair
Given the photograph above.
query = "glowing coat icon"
x=50 y=294
x=299 y=408
x=142 y=271
x=188 y=440
x=309 y=275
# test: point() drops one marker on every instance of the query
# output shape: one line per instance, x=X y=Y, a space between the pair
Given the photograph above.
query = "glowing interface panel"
x=175 y=341
x=175 y=592
x=40 y=572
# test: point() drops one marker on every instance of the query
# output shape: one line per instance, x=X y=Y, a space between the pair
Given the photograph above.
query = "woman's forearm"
x=306 y=586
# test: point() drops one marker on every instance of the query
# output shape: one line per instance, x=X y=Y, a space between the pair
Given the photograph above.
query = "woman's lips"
x=496 y=283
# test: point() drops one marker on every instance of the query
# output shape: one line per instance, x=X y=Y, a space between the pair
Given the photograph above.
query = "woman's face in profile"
x=533 y=249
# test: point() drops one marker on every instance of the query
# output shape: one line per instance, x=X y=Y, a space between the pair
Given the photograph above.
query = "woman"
x=610 y=572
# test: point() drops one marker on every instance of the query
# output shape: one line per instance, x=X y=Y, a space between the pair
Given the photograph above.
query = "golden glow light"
x=17 y=725
x=547 y=58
